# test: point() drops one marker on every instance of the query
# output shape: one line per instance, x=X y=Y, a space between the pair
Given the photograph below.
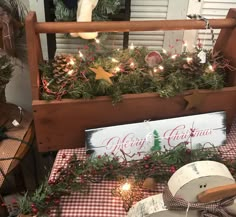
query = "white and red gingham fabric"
x=100 y=202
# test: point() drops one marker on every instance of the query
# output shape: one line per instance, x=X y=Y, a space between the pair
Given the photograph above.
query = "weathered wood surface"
x=129 y=26
x=61 y=124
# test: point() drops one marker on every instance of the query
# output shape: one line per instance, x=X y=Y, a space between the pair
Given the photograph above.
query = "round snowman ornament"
x=186 y=183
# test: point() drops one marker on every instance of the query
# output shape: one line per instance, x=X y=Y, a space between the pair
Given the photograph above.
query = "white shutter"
x=148 y=10
x=214 y=9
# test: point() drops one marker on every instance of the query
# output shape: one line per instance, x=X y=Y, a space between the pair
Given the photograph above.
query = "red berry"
x=51 y=182
x=56 y=201
x=13 y=200
x=146 y=166
x=99 y=156
x=172 y=169
x=63 y=155
x=35 y=210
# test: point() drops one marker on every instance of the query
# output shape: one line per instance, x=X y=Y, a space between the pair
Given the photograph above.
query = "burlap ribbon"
x=213 y=209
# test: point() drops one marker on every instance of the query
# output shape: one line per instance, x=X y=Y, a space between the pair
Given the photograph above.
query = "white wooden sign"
x=136 y=140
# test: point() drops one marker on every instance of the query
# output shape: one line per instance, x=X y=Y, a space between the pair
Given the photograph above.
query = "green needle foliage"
x=131 y=73
x=77 y=175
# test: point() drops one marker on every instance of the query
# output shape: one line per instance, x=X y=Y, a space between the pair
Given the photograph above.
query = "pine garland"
x=76 y=174
x=172 y=75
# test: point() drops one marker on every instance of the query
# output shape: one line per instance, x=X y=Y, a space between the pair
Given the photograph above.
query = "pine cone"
x=193 y=67
x=63 y=66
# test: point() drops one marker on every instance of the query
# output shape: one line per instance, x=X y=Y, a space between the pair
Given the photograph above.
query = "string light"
x=155 y=70
x=131 y=47
x=72 y=62
x=117 y=69
x=126 y=187
x=174 y=56
x=210 y=67
x=97 y=40
x=164 y=51
x=81 y=55
x=70 y=72
x=49 y=83
x=161 y=67
x=189 y=59
x=114 y=60
x=131 y=65
x=129 y=192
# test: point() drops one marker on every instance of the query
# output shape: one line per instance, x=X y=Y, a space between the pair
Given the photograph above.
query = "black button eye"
x=200 y=186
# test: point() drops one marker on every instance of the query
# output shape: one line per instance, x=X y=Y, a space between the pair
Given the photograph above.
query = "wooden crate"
x=61 y=124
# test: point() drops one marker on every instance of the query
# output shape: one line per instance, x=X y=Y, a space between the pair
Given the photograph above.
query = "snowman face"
x=196 y=177
x=190 y=190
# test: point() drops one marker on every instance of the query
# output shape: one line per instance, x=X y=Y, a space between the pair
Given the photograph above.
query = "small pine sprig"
x=6 y=69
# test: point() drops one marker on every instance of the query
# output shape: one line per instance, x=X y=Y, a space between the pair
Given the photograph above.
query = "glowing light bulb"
x=117 y=69
x=72 y=62
x=131 y=64
x=164 y=51
x=70 y=72
x=131 y=47
x=155 y=70
x=97 y=40
x=80 y=54
x=185 y=44
x=189 y=59
x=126 y=187
x=174 y=56
x=161 y=67
x=210 y=67
x=114 y=60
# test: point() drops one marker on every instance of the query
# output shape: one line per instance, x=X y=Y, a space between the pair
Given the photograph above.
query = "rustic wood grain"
x=33 y=53
x=61 y=124
x=128 y=26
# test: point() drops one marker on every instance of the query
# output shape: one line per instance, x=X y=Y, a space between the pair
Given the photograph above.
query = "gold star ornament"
x=194 y=100
x=101 y=74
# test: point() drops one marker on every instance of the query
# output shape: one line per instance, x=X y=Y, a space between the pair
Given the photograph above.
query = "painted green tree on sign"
x=157 y=141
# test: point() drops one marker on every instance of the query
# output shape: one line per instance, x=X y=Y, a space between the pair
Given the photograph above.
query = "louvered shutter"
x=148 y=10
x=214 y=9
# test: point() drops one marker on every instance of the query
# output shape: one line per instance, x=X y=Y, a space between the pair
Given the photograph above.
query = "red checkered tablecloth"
x=100 y=202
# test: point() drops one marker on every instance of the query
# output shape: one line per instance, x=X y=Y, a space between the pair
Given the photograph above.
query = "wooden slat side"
x=34 y=55
x=51 y=119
